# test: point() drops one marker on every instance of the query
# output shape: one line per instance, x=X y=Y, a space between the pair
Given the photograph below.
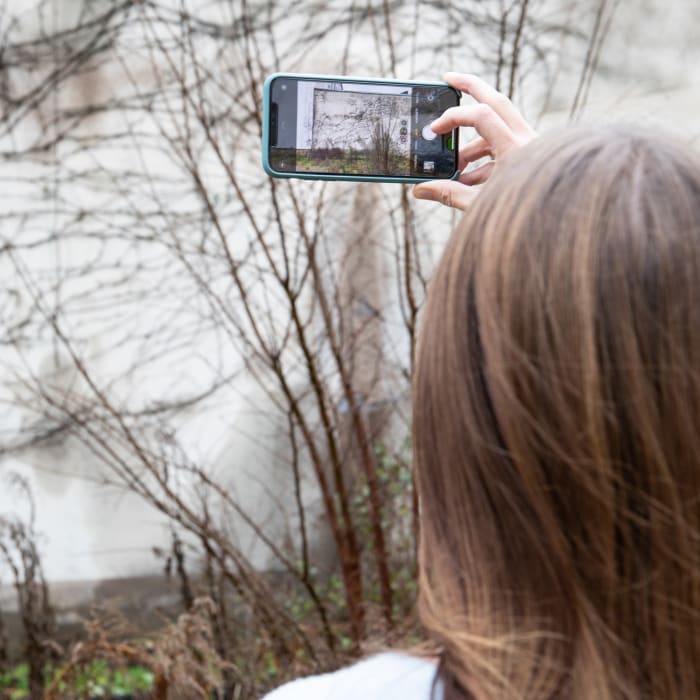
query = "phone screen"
x=350 y=128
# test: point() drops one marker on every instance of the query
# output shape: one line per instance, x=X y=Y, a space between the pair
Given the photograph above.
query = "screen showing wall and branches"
x=357 y=133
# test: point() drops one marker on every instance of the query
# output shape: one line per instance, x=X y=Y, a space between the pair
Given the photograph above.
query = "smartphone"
x=329 y=127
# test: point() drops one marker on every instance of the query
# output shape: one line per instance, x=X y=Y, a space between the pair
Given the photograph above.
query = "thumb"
x=447 y=192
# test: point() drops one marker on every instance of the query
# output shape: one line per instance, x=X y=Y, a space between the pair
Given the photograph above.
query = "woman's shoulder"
x=385 y=676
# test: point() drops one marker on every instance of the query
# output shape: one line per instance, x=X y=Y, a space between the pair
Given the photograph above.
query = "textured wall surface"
x=647 y=72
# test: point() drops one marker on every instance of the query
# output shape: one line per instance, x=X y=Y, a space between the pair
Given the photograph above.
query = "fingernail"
x=419 y=193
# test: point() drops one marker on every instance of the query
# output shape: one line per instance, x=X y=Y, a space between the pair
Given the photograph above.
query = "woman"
x=556 y=425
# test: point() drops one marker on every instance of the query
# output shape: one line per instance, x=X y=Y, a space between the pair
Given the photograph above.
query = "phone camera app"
x=403 y=133
x=428 y=134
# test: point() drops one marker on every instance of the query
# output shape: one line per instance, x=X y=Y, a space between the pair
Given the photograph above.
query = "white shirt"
x=390 y=676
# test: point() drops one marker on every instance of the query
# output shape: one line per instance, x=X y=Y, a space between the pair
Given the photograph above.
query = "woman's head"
x=557 y=426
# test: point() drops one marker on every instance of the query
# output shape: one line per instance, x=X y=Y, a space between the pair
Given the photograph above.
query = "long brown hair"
x=557 y=427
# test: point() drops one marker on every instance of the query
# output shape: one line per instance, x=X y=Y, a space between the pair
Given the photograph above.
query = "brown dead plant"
x=182 y=657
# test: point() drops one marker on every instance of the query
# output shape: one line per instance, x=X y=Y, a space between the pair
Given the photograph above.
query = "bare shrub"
x=20 y=556
x=174 y=278
x=182 y=658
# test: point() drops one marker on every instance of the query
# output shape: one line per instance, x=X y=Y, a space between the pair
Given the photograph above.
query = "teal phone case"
x=325 y=176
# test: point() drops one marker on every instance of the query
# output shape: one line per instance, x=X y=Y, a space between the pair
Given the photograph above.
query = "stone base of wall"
x=148 y=602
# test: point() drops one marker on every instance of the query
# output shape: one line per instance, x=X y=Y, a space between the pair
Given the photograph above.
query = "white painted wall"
x=90 y=530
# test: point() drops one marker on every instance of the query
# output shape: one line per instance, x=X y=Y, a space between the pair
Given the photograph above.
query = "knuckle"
x=522 y=139
x=501 y=100
x=447 y=197
x=482 y=112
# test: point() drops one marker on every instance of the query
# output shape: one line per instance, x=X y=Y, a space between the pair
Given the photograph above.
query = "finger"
x=490 y=126
x=447 y=192
x=474 y=150
x=482 y=92
x=478 y=175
